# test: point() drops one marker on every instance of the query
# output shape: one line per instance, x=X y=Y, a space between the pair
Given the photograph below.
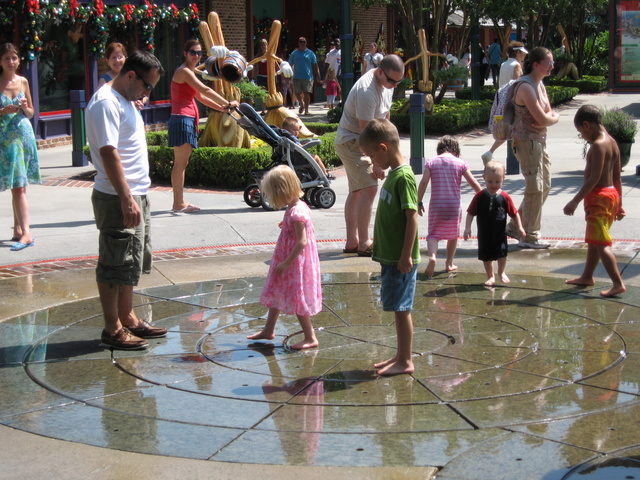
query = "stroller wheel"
x=308 y=196
x=252 y=196
x=267 y=206
x=324 y=197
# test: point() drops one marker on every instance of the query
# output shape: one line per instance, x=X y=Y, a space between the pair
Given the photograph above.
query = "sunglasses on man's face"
x=147 y=86
x=391 y=80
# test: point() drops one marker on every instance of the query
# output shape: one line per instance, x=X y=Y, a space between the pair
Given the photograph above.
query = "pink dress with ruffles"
x=298 y=289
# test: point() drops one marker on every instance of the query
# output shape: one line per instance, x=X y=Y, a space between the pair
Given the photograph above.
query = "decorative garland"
x=98 y=17
x=262 y=29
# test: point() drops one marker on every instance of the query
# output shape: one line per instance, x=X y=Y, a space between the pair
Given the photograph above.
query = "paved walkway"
x=527 y=380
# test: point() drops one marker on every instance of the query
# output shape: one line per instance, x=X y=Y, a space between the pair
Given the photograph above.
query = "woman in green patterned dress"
x=18 y=151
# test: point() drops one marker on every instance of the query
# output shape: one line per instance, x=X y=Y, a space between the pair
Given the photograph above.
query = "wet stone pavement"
x=531 y=380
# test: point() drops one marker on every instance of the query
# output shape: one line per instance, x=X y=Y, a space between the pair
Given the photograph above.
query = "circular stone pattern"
x=490 y=364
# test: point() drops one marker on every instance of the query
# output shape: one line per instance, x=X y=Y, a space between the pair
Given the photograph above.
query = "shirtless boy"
x=602 y=194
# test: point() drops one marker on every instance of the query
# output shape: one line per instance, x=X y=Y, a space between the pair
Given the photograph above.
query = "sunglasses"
x=196 y=52
x=391 y=80
x=147 y=86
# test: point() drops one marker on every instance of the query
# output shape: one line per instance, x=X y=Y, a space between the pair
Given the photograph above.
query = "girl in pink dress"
x=293 y=282
x=332 y=87
x=445 y=210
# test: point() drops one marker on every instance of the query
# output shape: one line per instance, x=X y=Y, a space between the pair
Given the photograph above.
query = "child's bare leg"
x=268 y=332
x=502 y=266
x=310 y=340
x=452 y=245
x=403 y=362
x=586 y=279
x=432 y=251
x=611 y=266
x=491 y=278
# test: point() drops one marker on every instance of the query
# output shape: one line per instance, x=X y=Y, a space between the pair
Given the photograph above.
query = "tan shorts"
x=357 y=165
x=302 y=85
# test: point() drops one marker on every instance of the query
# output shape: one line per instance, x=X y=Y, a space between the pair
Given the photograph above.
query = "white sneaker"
x=486 y=157
x=532 y=244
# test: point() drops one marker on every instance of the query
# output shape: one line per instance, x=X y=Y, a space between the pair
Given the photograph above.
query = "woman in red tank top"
x=186 y=88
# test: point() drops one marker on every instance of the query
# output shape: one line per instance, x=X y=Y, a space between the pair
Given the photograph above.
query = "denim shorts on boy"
x=397 y=289
x=182 y=129
x=123 y=253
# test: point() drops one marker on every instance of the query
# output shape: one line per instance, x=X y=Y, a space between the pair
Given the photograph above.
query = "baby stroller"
x=286 y=151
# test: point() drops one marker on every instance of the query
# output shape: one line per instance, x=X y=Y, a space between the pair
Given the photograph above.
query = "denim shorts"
x=182 y=129
x=123 y=253
x=397 y=289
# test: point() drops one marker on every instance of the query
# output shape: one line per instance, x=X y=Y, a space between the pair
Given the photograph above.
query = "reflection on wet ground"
x=539 y=377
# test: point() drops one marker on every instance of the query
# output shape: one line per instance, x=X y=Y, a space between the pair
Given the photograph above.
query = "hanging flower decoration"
x=98 y=17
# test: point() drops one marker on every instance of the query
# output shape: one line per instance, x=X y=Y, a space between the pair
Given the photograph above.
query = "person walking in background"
x=491 y=206
x=334 y=56
x=397 y=247
x=369 y=98
x=602 y=195
x=510 y=70
x=494 y=54
x=372 y=58
x=116 y=136
x=184 y=120
x=293 y=283
x=533 y=114
x=305 y=70
x=445 y=172
x=19 y=165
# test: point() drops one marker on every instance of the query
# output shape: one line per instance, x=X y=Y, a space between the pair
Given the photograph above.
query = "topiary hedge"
x=221 y=167
x=587 y=84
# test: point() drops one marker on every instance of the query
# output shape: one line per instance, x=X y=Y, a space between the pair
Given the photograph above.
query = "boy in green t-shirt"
x=396 y=246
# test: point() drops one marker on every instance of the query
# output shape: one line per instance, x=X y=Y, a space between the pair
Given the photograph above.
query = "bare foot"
x=431 y=268
x=491 y=281
x=261 y=336
x=613 y=291
x=504 y=278
x=396 y=368
x=583 y=282
x=385 y=363
x=305 y=344
x=451 y=268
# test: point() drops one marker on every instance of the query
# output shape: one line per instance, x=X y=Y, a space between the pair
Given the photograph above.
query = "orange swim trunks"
x=601 y=207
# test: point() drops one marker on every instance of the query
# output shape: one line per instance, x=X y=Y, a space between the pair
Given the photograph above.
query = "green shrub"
x=487 y=92
x=334 y=115
x=326 y=150
x=321 y=128
x=587 y=84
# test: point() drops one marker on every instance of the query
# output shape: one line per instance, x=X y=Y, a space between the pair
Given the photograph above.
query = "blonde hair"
x=281 y=185
x=331 y=72
x=494 y=166
x=379 y=131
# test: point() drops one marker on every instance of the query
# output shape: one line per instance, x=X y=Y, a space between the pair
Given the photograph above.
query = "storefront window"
x=168 y=42
x=61 y=67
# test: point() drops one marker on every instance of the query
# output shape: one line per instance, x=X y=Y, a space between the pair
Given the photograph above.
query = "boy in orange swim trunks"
x=602 y=194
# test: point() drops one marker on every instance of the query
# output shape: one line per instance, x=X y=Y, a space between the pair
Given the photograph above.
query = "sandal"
x=366 y=253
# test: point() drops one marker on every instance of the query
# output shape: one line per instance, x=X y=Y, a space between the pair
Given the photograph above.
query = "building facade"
x=62 y=43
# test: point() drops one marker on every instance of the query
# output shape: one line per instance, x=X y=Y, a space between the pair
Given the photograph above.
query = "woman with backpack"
x=533 y=114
